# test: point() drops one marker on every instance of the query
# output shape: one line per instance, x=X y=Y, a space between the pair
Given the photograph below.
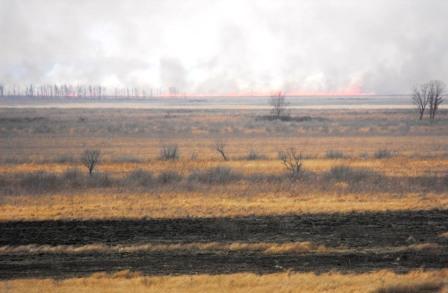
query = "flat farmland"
x=369 y=208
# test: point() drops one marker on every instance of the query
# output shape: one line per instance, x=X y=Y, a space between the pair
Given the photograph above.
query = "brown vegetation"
x=347 y=162
x=380 y=281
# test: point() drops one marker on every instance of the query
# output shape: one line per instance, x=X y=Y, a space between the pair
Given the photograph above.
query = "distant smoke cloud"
x=211 y=46
x=172 y=73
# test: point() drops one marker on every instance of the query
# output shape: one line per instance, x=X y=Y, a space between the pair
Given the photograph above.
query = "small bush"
x=332 y=154
x=15 y=160
x=39 y=181
x=364 y=156
x=383 y=154
x=292 y=161
x=5 y=184
x=287 y=118
x=218 y=175
x=307 y=177
x=100 y=180
x=169 y=177
x=90 y=158
x=169 y=153
x=73 y=177
x=194 y=156
x=267 y=178
x=72 y=174
x=220 y=147
x=350 y=175
x=252 y=155
x=445 y=180
x=416 y=288
x=125 y=159
x=64 y=159
x=431 y=182
x=139 y=178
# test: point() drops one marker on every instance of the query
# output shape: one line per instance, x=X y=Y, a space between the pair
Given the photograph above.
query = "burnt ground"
x=352 y=230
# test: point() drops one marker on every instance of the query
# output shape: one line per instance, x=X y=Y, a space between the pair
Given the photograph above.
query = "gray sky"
x=206 y=46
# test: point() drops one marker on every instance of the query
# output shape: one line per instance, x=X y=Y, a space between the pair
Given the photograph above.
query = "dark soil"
x=352 y=230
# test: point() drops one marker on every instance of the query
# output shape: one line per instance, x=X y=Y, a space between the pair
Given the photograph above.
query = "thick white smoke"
x=211 y=46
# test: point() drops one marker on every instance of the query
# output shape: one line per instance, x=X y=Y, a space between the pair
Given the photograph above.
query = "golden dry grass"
x=126 y=281
x=223 y=202
x=395 y=166
x=42 y=148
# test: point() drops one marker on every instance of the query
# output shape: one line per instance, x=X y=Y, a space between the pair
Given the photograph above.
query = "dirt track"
x=355 y=230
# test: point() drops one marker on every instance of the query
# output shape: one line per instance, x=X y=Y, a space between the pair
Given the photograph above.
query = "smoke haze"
x=219 y=47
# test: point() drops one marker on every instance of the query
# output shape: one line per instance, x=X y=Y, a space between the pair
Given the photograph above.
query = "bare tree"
x=169 y=152
x=220 y=148
x=420 y=98
x=90 y=158
x=279 y=106
x=292 y=161
x=436 y=90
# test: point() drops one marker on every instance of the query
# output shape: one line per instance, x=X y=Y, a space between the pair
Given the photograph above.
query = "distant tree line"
x=81 y=91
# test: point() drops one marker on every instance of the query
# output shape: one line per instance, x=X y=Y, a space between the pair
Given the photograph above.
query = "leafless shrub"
x=139 y=177
x=100 y=180
x=90 y=158
x=430 y=95
x=349 y=174
x=436 y=90
x=252 y=155
x=333 y=154
x=218 y=175
x=194 y=156
x=420 y=99
x=220 y=148
x=167 y=177
x=169 y=152
x=383 y=154
x=279 y=106
x=292 y=161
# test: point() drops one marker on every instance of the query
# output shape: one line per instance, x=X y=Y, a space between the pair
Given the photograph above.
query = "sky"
x=226 y=47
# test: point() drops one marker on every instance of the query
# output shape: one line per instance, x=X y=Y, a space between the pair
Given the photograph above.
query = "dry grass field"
x=380 y=281
x=368 y=212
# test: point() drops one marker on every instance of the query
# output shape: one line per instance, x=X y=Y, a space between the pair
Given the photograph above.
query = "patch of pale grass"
x=224 y=202
x=213 y=247
x=264 y=247
x=126 y=281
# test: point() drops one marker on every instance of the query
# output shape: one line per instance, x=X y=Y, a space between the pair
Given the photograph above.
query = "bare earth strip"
x=352 y=242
